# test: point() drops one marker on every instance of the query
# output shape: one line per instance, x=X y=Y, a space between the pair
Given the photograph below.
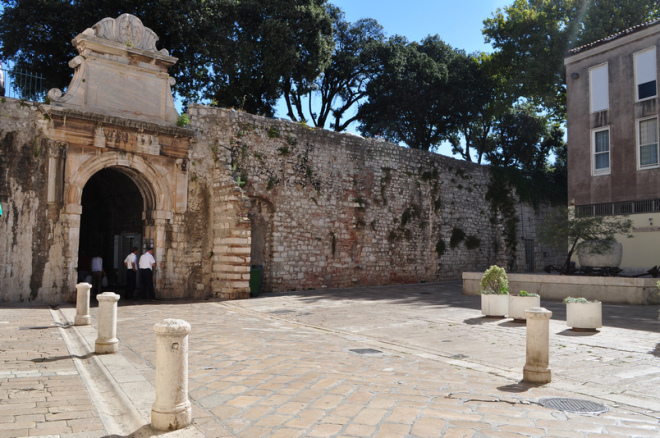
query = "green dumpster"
x=255 y=280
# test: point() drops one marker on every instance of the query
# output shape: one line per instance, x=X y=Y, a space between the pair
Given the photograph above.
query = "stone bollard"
x=171 y=410
x=538 y=346
x=82 y=304
x=107 y=342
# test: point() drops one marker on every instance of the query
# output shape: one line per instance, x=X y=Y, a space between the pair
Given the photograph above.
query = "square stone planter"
x=584 y=316
x=495 y=305
x=518 y=305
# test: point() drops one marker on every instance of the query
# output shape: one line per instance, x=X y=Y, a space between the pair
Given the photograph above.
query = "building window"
x=645 y=74
x=648 y=142
x=598 y=88
x=601 y=148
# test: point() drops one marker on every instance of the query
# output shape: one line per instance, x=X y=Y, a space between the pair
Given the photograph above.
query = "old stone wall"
x=30 y=236
x=334 y=210
x=312 y=207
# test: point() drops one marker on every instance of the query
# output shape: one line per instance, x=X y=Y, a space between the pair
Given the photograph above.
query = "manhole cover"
x=366 y=351
x=573 y=405
x=280 y=312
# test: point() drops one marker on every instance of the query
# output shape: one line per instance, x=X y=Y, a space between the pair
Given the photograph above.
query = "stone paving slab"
x=289 y=365
x=41 y=392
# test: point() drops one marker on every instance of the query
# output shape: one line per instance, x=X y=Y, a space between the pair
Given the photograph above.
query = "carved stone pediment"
x=128 y=30
x=119 y=72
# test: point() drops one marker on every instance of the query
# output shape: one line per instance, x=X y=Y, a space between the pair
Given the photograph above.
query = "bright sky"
x=458 y=23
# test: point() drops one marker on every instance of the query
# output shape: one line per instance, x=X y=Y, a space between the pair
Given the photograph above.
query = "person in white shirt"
x=131 y=270
x=146 y=265
x=97 y=273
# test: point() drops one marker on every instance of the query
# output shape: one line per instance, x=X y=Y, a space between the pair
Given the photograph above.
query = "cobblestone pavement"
x=396 y=361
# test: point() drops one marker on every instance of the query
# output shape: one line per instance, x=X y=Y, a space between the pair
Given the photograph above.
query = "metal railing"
x=22 y=84
x=618 y=208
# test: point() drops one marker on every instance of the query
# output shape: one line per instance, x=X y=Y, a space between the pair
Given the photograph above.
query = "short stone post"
x=538 y=346
x=171 y=410
x=107 y=339
x=82 y=304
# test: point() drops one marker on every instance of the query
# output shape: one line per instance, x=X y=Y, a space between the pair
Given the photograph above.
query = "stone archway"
x=153 y=187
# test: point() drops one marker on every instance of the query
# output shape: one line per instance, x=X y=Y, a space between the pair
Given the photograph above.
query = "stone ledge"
x=609 y=290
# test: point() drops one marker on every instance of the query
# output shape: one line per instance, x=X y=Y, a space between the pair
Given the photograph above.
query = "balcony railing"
x=22 y=84
x=618 y=208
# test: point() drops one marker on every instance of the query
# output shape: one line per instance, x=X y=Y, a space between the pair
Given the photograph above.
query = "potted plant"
x=494 y=292
x=521 y=302
x=582 y=314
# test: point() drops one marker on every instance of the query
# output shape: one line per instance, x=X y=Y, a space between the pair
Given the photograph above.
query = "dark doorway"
x=261 y=220
x=111 y=222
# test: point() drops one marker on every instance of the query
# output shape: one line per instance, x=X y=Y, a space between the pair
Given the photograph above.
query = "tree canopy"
x=408 y=99
x=531 y=37
x=523 y=138
x=342 y=85
x=234 y=53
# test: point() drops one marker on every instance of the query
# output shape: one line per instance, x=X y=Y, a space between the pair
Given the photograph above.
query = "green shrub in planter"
x=494 y=281
x=524 y=293
x=579 y=300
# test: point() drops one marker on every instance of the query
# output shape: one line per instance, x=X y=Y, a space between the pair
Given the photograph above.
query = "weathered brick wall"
x=337 y=210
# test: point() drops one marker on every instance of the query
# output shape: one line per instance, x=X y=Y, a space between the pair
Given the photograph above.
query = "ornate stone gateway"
x=118 y=114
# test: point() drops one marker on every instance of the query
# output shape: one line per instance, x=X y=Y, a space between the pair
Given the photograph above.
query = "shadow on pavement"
x=147 y=431
x=519 y=387
x=450 y=294
x=578 y=333
x=656 y=351
x=56 y=358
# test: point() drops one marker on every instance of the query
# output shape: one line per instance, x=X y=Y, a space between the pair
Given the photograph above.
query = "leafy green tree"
x=268 y=44
x=408 y=99
x=603 y=18
x=531 y=37
x=343 y=83
x=524 y=139
x=476 y=100
x=235 y=53
x=562 y=229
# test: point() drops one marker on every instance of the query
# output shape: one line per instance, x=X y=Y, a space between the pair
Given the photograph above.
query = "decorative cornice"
x=131 y=124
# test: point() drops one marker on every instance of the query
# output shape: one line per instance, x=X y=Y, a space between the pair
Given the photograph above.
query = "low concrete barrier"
x=610 y=290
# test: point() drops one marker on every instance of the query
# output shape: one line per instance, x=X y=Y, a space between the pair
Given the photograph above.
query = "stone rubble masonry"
x=315 y=208
x=336 y=210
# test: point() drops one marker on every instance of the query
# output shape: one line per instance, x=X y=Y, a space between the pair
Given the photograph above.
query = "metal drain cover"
x=573 y=405
x=366 y=351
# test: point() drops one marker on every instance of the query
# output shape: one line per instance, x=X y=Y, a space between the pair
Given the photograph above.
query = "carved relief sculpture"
x=119 y=72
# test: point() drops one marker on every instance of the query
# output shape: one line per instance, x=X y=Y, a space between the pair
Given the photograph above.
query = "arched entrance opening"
x=111 y=222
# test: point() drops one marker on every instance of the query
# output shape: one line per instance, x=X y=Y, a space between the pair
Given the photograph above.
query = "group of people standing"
x=146 y=265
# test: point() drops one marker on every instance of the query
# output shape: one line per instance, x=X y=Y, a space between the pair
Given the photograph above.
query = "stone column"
x=107 y=340
x=82 y=304
x=538 y=346
x=171 y=410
